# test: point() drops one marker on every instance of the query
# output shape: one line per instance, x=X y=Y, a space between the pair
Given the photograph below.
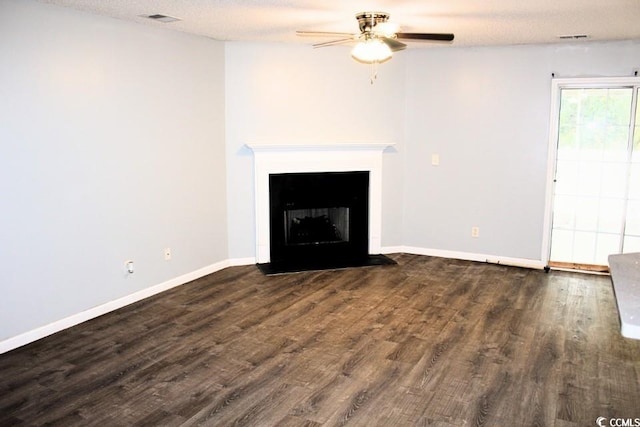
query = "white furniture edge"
x=625 y=277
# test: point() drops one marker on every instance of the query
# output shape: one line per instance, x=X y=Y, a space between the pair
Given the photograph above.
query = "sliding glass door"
x=631 y=242
x=596 y=192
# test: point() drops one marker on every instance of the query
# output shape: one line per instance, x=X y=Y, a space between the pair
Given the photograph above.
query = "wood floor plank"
x=429 y=341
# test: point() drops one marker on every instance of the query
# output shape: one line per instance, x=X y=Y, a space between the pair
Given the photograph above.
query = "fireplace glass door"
x=316 y=226
x=319 y=219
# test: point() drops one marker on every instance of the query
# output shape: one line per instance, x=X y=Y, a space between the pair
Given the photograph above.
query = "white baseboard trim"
x=392 y=249
x=83 y=316
x=234 y=262
x=467 y=256
x=67 y=322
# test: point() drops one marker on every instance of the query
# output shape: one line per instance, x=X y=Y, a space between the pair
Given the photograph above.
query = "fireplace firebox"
x=319 y=220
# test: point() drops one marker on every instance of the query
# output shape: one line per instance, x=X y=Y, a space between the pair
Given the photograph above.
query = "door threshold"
x=574 y=266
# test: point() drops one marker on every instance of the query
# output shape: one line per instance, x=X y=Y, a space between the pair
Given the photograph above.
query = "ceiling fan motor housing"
x=368 y=20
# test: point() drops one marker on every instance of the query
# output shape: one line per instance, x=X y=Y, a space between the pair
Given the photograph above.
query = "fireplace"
x=319 y=230
x=319 y=219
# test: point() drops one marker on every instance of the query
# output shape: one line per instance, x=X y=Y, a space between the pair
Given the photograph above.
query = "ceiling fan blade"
x=322 y=34
x=444 y=37
x=393 y=44
x=333 y=42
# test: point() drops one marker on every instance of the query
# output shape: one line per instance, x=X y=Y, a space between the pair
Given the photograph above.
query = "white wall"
x=111 y=148
x=485 y=111
x=280 y=93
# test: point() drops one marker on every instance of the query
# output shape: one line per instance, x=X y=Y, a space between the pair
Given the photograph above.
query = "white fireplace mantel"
x=272 y=158
x=336 y=146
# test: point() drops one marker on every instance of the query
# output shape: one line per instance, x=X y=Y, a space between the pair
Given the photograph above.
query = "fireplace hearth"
x=319 y=220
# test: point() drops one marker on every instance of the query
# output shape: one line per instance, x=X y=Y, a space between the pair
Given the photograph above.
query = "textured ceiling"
x=474 y=22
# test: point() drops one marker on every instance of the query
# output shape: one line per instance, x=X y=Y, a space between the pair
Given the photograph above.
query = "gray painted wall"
x=111 y=148
x=485 y=111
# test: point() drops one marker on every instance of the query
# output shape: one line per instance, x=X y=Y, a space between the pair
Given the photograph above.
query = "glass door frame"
x=557 y=85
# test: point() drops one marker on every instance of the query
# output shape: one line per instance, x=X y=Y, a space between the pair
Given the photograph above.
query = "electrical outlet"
x=475 y=231
x=167 y=254
x=435 y=159
x=128 y=265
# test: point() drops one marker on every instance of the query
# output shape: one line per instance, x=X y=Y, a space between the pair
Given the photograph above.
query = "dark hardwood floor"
x=429 y=341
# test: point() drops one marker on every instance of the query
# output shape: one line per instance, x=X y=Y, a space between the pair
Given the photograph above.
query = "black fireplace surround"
x=319 y=221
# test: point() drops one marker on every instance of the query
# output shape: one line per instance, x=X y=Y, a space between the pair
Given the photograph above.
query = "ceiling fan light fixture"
x=371 y=51
x=386 y=29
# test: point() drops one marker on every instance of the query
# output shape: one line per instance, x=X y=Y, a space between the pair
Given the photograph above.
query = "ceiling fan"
x=378 y=38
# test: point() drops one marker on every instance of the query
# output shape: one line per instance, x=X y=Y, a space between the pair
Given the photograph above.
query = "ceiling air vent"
x=573 y=36
x=162 y=18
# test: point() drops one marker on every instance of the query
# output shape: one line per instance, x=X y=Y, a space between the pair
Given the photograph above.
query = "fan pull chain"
x=374 y=72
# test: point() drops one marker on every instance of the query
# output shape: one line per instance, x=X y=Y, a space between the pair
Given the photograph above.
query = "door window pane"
x=566 y=177
x=584 y=247
x=631 y=244
x=634 y=181
x=564 y=212
x=632 y=226
x=614 y=180
x=606 y=244
x=589 y=177
x=562 y=248
x=586 y=211
x=611 y=215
